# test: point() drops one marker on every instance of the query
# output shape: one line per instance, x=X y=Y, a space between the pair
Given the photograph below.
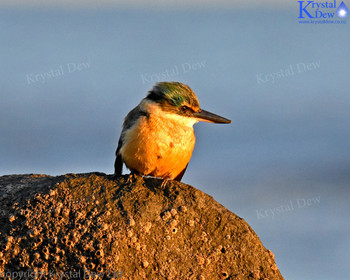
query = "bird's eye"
x=184 y=109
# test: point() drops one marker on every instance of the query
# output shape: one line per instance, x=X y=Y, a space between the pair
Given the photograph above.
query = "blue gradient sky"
x=139 y=4
x=69 y=76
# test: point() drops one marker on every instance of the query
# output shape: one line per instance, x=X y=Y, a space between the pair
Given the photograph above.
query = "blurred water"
x=67 y=79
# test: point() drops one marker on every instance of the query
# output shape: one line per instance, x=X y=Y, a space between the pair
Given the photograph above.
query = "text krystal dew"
x=41 y=274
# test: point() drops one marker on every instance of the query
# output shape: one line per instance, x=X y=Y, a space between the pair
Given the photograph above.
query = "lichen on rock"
x=95 y=225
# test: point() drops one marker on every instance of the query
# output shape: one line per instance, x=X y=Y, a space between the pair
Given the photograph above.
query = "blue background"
x=288 y=141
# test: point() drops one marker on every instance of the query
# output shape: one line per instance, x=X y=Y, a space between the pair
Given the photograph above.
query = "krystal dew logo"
x=322 y=12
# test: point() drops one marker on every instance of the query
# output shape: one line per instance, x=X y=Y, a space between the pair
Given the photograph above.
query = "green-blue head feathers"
x=174 y=94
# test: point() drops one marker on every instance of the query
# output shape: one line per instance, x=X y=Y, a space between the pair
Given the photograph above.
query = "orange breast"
x=158 y=147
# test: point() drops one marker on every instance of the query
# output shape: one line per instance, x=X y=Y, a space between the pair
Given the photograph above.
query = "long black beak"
x=206 y=116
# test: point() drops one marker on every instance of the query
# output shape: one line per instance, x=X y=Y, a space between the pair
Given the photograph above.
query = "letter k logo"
x=304 y=9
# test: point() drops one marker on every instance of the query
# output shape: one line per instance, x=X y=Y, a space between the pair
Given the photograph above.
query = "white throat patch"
x=153 y=108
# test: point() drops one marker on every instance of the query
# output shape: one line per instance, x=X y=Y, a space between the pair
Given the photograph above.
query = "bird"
x=157 y=137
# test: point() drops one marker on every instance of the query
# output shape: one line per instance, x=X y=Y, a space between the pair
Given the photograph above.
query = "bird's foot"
x=164 y=183
x=130 y=178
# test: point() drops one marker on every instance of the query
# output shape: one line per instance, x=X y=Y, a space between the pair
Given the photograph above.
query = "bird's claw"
x=164 y=183
x=130 y=178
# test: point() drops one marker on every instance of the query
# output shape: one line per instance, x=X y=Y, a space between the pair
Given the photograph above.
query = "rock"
x=95 y=225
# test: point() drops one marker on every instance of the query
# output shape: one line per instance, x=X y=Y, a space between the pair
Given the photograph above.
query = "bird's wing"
x=118 y=164
x=181 y=174
x=129 y=121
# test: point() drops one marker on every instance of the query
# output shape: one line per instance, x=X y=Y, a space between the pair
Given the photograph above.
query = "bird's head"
x=179 y=102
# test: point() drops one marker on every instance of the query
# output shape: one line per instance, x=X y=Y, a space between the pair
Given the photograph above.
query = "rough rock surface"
x=94 y=225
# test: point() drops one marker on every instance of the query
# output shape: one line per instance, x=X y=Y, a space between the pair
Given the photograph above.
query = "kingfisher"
x=157 y=137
